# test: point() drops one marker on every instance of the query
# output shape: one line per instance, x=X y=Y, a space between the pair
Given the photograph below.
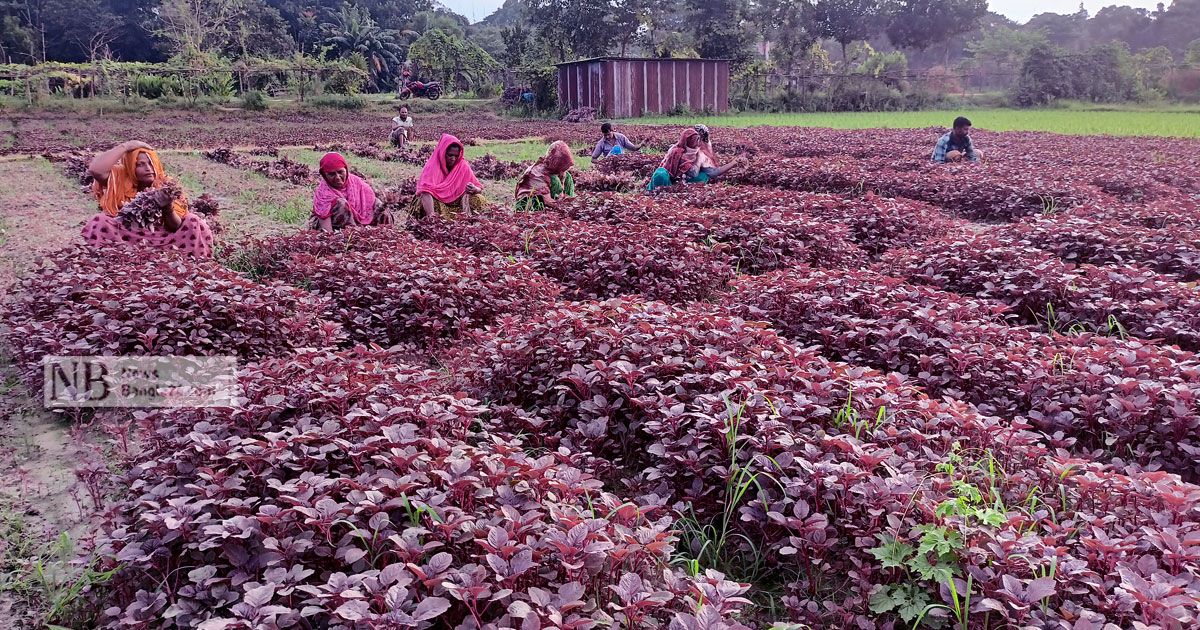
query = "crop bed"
x=845 y=388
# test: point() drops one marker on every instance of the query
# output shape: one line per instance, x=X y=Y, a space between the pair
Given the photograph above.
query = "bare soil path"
x=40 y=210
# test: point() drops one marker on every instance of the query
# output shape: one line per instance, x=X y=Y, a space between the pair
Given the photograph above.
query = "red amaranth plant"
x=415 y=521
x=1049 y=293
x=1092 y=394
x=1080 y=239
x=591 y=261
x=208 y=207
x=842 y=472
x=404 y=290
x=639 y=165
x=490 y=167
x=113 y=300
x=754 y=241
x=595 y=181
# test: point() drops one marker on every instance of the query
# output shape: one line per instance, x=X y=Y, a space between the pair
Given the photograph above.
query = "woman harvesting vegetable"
x=344 y=199
x=447 y=184
x=139 y=205
x=686 y=162
x=547 y=179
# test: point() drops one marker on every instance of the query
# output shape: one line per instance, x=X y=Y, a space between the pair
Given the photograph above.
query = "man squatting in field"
x=956 y=145
x=612 y=143
x=401 y=128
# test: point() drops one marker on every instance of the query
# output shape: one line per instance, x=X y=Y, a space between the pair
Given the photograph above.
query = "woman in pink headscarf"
x=344 y=199
x=447 y=184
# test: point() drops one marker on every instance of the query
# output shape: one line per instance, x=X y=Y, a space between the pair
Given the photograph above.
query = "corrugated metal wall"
x=626 y=88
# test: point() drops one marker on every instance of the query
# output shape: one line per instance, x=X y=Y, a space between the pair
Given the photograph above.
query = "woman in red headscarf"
x=686 y=162
x=547 y=179
x=120 y=174
x=447 y=184
x=344 y=199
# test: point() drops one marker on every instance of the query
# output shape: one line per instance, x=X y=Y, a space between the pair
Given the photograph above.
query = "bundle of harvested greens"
x=144 y=210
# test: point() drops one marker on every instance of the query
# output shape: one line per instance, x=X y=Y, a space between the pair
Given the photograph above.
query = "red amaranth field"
x=845 y=388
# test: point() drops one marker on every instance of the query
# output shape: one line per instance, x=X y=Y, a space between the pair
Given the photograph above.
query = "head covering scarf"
x=357 y=193
x=558 y=158
x=122 y=184
x=331 y=162
x=446 y=187
x=536 y=179
x=681 y=158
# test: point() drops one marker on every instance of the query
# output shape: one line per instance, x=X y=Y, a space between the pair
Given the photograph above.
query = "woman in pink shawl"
x=344 y=199
x=447 y=184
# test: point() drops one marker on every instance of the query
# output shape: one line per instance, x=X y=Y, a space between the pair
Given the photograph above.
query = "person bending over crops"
x=344 y=199
x=612 y=143
x=684 y=163
x=547 y=179
x=956 y=145
x=708 y=157
x=139 y=205
x=401 y=128
x=447 y=184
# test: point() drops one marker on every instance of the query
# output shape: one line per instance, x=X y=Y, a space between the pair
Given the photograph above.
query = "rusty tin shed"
x=620 y=87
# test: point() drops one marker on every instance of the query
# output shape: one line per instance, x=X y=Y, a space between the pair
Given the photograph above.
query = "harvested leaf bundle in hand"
x=144 y=210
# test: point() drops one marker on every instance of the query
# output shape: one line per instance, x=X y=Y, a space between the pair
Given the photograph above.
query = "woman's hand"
x=472 y=189
x=162 y=198
x=135 y=144
x=103 y=164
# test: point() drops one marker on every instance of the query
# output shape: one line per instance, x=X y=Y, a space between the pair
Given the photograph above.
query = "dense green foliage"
x=453 y=61
x=1104 y=74
x=371 y=35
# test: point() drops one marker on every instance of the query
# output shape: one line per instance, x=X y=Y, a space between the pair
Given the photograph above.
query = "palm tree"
x=352 y=30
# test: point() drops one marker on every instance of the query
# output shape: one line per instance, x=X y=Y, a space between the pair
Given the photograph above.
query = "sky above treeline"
x=1019 y=10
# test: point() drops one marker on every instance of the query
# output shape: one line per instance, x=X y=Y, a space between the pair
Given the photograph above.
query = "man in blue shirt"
x=612 y=143
x=956 y=145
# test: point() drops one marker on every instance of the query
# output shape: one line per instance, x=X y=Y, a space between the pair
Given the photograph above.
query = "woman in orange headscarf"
x=120 y=174
x=547 y=179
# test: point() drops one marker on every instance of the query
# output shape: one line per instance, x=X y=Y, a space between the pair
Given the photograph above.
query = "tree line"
x=734 y=28
x=795 y=45
x=779 y=44
x=378 y=36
